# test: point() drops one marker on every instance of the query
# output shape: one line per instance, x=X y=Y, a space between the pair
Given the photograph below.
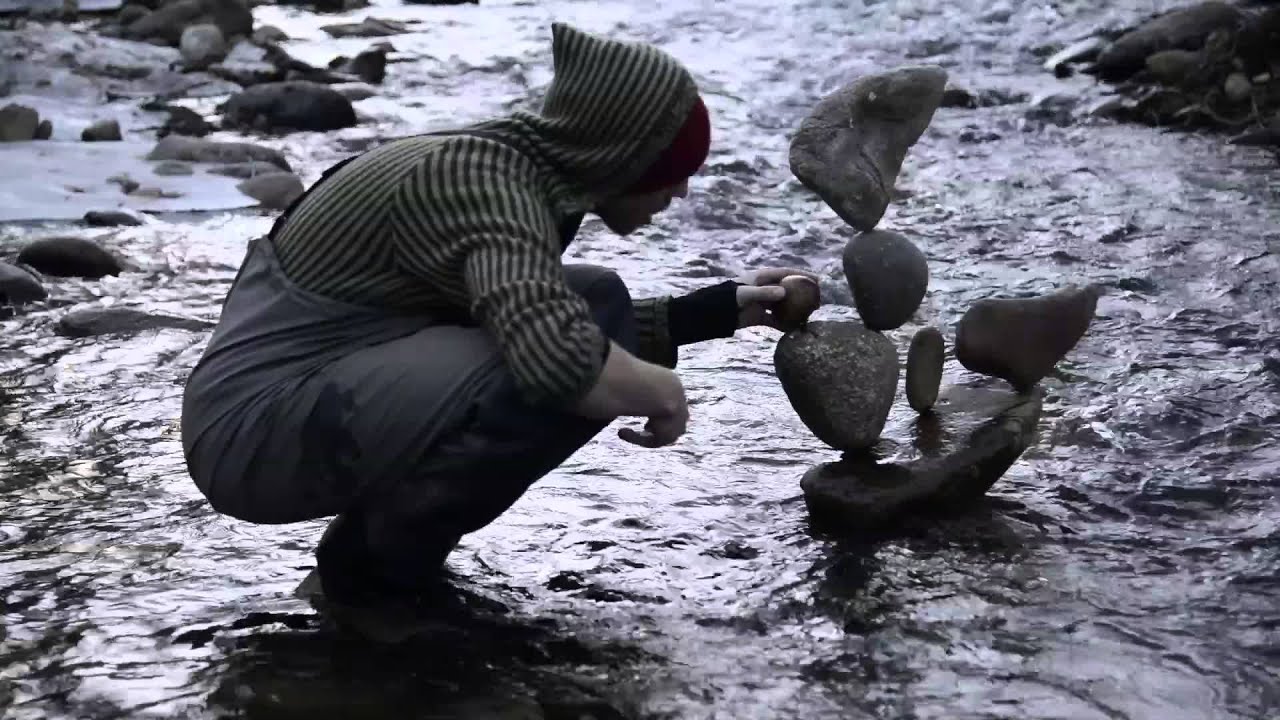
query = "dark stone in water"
x=69 y=257
x=18 y=286
x=168 y=22
x=954 y=456
x=370 y=65
x=110 y=218
x=1182 y=29
x=289 y=105
x=104 y=321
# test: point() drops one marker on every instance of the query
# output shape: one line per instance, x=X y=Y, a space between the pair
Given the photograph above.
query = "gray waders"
x=407 y=428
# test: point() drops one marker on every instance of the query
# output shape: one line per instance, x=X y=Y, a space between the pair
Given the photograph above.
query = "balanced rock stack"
x=841 y=377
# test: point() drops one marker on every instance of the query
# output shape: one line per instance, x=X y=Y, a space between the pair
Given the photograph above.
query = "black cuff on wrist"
x=705 y=314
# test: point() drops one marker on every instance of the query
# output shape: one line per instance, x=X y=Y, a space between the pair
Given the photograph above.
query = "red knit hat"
x=683 y=156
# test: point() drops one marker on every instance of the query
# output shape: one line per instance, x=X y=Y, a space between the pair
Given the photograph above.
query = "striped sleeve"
x=468 y=216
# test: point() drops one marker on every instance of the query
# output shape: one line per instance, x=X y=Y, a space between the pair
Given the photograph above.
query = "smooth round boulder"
x=69 y=257
x=17 y=286
x=18 y=123
x=289 y=105
x=888 y=275
x=1020 y=340
x=202 y=45
x=841 y=379
x=102 y=131
x=925 y=359
x=274 y=190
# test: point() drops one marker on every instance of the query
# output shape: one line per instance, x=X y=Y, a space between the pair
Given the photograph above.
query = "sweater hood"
x=611 y=110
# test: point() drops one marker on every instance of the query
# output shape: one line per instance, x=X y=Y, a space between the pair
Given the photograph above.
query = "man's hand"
x=760 y=292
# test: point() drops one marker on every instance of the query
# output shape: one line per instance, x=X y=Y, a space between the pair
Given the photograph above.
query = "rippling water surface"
x=1125 y=567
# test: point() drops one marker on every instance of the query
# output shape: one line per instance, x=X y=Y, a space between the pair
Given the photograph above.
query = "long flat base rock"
x=951 y=457
x=52 y=180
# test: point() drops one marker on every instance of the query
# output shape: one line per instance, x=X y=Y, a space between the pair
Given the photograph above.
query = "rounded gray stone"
x=18 y=286
x=888 y=276
x=69 y=257
x=925 y=359
x=841 y=379
x=275 y=190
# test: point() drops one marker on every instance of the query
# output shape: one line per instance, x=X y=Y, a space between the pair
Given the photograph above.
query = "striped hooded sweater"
x=471 y=223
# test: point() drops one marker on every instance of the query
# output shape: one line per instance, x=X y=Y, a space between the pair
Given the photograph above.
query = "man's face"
x=627 y=213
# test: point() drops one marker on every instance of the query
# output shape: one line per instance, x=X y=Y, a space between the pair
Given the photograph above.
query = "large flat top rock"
x=52 y=180
x=930 y=462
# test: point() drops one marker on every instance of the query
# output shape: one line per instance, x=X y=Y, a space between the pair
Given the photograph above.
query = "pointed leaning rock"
x=850 y=149
x=888 y=276
x=925 y=358
x=841 y=379
x=1021 y=339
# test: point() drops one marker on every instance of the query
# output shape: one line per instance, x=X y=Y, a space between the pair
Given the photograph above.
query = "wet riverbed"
x=1125 y=567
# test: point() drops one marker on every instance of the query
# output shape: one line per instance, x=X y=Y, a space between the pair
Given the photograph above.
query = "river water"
x=1125 y=567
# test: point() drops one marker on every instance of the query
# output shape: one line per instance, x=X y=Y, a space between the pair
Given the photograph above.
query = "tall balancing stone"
x=1021 y=339
x=850 y=148
x=925 y=360
x=888 y=275
x=841 y=379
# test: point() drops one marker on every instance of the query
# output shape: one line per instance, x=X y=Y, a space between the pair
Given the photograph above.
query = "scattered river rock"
x=289 y=105
x=189 y=149
x=110 y=218
x=18 y=123
x=273 y=190
x=841 y=379
x=1185 y=29
x=169 y=21
x=888 y=276
x=18 y=286
x=105 y=321
x=102 y=131
x=956 y=455
x=69 y=257
x=850 y=148
x=369 y=27
x=1022 y=339
x=202 y=45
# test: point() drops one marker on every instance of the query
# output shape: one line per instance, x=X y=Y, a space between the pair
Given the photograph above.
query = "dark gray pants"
x=410 y=431
x=398 y=533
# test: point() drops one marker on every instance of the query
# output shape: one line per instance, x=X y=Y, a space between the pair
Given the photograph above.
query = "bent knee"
x=599 y=285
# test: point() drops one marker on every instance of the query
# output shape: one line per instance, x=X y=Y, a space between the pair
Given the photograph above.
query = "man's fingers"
x=636 y=437
x=773 y=276
x=748 y=294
